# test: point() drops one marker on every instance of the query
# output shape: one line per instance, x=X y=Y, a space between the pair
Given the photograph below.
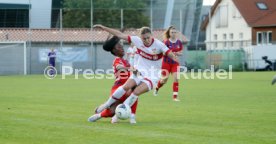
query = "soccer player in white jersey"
x=131 y=54
x=136 y=56
x=147 y=70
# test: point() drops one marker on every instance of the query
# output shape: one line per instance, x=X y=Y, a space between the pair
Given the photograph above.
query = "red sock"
x=159 y=85
x=134 y=107
x=107 y=113
x=175 y=89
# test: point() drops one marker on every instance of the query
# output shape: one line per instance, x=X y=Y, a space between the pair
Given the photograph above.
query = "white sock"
x=99 y=115
x=132 y=115
x=117 y=94
x=109 y=102
x=131 y=100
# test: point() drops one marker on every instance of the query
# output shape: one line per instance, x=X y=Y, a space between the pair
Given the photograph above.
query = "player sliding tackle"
x=146 y=75
x=122 y=73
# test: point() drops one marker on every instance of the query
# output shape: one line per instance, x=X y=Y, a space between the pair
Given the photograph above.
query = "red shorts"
x=169 y=68
x=124 y=97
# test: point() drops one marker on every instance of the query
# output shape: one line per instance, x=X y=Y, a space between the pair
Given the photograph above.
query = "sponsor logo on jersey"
x=149 y=56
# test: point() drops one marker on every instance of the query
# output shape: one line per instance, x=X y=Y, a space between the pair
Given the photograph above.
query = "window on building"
x=224 y=36
x=232 y=39
x=222 y=16
x=259 y=37
x=215 y=37
x=241 y=39
x=270 y=37
x=55 y=18
x=224 y=39
x=14 y=18
x=14 y=15
x=264 y=37
x=215 y=40
x=241 y=36
x=262 y=6
x=231 y=36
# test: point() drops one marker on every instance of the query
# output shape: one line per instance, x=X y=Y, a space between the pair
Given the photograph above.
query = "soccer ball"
x=122 y=111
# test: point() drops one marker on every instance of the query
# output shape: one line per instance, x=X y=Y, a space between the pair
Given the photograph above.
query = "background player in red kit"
x=121 y=71
x=169 y=65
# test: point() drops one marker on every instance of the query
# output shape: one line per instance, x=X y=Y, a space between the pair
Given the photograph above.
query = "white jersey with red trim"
x=150 y=57
x=136 y=56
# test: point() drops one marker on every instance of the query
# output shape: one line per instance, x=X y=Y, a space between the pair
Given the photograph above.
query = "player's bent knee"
x=126 y=87
x=141 y=89
x=129 y=85
x=136 y=92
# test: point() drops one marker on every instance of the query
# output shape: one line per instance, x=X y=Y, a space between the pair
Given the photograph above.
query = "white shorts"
x=151 y=83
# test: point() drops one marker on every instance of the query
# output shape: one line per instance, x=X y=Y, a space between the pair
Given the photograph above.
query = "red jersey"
x=121 y=75
x=174 y=47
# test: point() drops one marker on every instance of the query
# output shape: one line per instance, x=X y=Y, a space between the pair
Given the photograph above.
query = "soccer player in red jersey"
x=169 y=65
x=121 y=71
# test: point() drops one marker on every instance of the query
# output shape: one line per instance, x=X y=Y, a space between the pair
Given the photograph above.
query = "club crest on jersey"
x=155 y=57
x=154 y=51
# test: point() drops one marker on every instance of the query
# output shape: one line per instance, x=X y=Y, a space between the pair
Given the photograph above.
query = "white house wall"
x=235 y=26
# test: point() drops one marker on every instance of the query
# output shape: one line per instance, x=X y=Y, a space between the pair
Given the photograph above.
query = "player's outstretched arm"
x=179 y=53
x=112 y=31
x=173 y=56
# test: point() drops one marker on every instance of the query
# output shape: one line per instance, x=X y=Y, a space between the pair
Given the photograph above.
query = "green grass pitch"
x=35 y=110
